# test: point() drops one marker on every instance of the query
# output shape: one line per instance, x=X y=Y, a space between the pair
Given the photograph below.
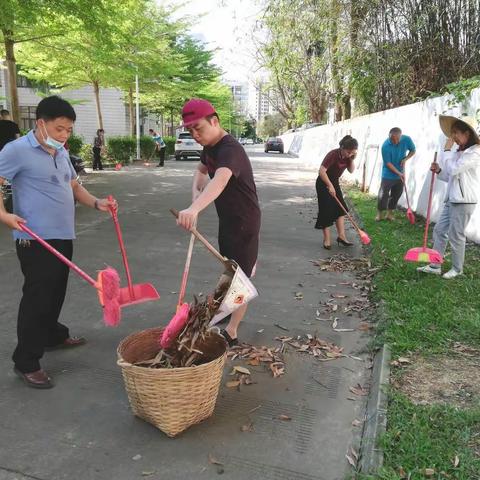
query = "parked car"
x=186 y=146
x=274 y=144
x=249 y=141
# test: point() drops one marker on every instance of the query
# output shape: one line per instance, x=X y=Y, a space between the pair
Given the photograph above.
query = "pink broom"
x=424 y=254
x=107 y=284
x=180 y=319
x=364 y=238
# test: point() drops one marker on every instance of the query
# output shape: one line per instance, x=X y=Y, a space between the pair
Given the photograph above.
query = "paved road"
x=83 y=428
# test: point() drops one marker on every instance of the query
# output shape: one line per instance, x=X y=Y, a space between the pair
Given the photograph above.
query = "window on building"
x=27 y=118
x=24 y=82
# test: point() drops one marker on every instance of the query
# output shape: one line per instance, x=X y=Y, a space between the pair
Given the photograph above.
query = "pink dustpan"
x=132 y=294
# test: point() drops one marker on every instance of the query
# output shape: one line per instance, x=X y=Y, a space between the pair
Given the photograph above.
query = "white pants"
x=451 y=228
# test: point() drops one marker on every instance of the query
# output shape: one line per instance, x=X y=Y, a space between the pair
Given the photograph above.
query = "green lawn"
x=423 y=314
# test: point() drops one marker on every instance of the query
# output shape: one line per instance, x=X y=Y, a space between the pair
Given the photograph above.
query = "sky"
x=226 y=26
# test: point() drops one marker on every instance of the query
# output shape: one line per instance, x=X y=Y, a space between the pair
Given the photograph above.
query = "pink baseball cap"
x=195 y=109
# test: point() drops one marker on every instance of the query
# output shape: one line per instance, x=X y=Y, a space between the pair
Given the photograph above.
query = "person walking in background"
x=160 y=146
x=8 y=130
x=98 y=145
x=394 y=154
x=460 y=168
x=328 y=186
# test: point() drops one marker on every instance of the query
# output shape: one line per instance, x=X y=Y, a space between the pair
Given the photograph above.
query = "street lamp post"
x=137 y=114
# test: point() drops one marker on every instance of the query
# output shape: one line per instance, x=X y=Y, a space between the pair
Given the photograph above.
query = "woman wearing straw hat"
x=461 y=170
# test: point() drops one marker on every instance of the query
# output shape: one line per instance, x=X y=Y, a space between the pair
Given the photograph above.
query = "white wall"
x=418 y=120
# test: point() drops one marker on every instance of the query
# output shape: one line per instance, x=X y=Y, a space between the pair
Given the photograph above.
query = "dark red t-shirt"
x=335 y=164
x=237 y=206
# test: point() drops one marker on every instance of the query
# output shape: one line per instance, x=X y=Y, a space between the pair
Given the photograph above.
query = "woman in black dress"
x=328 y=185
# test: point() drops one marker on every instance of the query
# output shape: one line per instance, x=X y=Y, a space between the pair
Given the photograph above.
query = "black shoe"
x=327 y=247
x=232 y=342
x=345 y=243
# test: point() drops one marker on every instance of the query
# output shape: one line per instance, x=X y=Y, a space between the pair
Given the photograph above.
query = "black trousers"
x=97 y=159
x=389 y=194
x=44 y=291
x=161 y=153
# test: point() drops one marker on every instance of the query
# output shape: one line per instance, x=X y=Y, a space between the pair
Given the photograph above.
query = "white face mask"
x=51 y=142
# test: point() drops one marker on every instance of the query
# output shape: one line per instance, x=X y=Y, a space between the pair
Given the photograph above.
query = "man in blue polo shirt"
x=44 y=191
x=394 y=154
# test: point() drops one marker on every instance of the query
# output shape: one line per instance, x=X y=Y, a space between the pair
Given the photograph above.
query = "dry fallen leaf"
x=243 y=370
x=261 y=330
x=147 y=473
x=285 y=418
x=351 y=461
x=213 y=460
x=456 y=461
x=233 y=383
x=335 y=323
x=255 y=362
x=247 y=428
x=402 y=473
x=343 y=329
x=429 y=472
x=356 y=423
x=403 y=360
x=359 y=390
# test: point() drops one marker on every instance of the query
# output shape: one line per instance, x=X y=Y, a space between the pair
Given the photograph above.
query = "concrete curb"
x=371 y=456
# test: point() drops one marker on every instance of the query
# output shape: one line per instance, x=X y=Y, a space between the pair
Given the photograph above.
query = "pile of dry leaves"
x=342 y=263
x=196 y=344
x=273 y=356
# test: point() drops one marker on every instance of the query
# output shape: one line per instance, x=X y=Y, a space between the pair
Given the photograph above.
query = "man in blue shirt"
x=394 y=154
x=44 y=190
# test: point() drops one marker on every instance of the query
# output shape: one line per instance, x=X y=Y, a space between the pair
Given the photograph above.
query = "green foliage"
x=123 y=149
x=75 y=143
x=421 y=314
x=420 y=437
x=271 y=126
x=86 y=153
x=413 y=302
x=170 y=143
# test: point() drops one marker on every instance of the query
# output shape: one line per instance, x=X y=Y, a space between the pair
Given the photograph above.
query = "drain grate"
x=267 y=472
x=298 y=431
x=324 y=379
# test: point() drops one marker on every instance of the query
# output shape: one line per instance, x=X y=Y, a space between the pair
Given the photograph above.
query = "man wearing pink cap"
x=231 y=187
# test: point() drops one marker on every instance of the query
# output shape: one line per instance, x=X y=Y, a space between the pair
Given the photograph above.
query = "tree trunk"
x=12 y=75
x=334 y=61
x=96 y=89
x=131 y=111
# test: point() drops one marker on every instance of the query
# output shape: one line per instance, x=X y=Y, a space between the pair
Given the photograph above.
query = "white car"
x=186 y=146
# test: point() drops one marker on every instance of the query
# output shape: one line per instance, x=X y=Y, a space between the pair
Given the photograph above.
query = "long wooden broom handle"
x=429 y=208
x=61 y=257
x=183 y=285
x=116 y=223
x=348 y=214
x=205 y=242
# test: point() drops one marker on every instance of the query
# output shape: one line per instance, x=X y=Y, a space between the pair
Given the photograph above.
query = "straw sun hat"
x=447 y=121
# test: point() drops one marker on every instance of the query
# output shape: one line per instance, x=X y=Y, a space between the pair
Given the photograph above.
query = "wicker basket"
x=171 y=399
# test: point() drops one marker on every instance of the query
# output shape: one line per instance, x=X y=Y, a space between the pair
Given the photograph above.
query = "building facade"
x=115 y=112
